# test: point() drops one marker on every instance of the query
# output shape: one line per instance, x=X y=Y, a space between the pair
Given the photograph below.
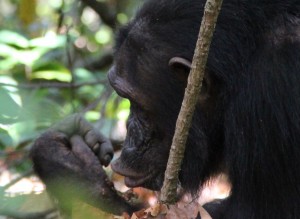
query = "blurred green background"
x=54 y=56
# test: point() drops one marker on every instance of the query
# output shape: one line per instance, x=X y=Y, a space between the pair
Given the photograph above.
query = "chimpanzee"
x=247 y=119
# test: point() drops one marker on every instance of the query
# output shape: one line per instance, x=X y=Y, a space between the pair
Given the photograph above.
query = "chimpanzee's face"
x=149 y=131
x=149 y=73
x=142 y=79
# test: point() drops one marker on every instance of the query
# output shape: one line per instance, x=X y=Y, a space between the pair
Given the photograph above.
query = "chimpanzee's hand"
x=77 y=125
x=68 y=159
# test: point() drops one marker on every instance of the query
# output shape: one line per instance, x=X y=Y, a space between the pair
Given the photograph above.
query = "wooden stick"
x=183 y=124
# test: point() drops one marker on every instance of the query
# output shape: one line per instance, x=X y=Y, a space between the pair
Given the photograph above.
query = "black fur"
x=253 y=128
x=247 y=120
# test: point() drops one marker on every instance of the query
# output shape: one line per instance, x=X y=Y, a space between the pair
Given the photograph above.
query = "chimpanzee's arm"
x=64 y=158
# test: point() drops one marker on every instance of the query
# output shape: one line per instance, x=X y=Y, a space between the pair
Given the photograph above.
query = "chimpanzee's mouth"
x=132 y=178
x=136 y=182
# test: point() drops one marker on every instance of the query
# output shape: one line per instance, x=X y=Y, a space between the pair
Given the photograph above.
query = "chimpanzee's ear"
x=181 y=68
x=179 y=62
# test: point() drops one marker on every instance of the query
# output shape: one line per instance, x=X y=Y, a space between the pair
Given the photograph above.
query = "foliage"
x=54 y=56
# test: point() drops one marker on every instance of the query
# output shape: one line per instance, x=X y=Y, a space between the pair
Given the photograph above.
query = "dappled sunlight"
x=26 y=186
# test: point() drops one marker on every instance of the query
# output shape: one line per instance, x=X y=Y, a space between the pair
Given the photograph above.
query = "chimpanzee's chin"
x=154 y=184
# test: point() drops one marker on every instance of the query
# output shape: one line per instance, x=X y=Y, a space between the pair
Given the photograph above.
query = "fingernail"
x=96 y=147
x=107 y=159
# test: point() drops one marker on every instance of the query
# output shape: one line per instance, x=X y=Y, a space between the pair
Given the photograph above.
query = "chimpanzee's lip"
x=136 y=182
x=132 y=178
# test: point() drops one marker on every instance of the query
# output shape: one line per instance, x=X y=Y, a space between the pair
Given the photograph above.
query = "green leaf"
x=123 y=109
x=49 y=41
x=7 y=51
x=119 y=111
x=92 y=116
x=83 y=75
x=13 y=38
x=46 y=66
x=111 y=107
x=51 y=71
x=124 y=104
x=12 y=203
x=9 y=109
x=28 y=57
x=104 y=35
x=8 y=64
x=5 y=139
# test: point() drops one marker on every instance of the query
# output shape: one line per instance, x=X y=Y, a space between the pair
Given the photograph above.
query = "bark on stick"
x=211 y=12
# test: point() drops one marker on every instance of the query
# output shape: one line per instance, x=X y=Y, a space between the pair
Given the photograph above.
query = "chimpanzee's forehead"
x=167 y=10
x=121 y=36
x=137 y=33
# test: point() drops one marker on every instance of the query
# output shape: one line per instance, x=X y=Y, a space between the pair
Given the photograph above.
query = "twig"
x=70 y=62
x=102 y=98
x=105 y=98
x=211 y=12
x=61 y=16
x=53 y=85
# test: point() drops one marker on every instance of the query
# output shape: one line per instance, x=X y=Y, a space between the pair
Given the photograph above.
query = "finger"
x=83 y=126
x=81 y=150
x=106 y=153
x=101 y=146
x=92 y=138
x=77 y=125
